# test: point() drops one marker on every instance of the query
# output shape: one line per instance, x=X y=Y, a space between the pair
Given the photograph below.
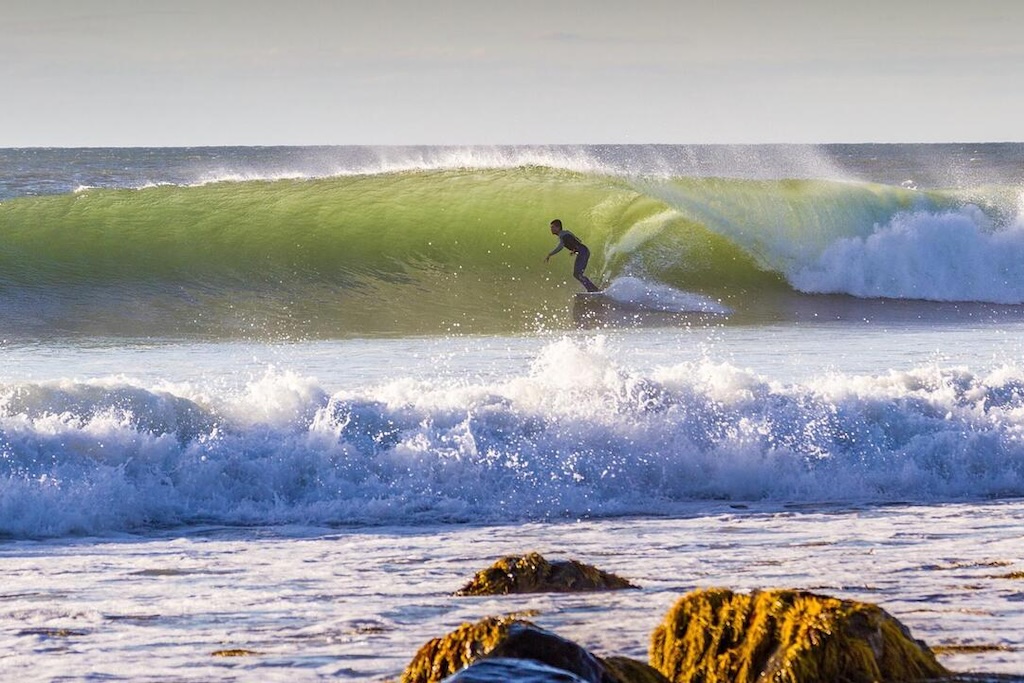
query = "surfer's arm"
x=556 y=249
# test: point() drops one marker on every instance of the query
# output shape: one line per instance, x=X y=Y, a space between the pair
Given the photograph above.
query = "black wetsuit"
x=571 y=242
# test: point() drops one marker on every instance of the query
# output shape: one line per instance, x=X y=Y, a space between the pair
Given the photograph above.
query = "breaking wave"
x=574 y=436
x=430 y=250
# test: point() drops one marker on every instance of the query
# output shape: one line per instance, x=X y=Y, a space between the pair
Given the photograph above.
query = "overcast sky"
x=260 y=72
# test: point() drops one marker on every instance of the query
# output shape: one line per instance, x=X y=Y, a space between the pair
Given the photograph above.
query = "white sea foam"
x=957 y=255
x=576 y=435
x=653 y=296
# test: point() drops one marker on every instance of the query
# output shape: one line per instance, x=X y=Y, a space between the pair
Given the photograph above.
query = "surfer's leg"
x=587 y=284
x=579 y=266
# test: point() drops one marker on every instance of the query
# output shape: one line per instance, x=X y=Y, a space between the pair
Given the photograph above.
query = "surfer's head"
x=556 y=226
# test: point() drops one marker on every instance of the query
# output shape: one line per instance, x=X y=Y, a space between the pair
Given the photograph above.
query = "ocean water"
x=287 y=400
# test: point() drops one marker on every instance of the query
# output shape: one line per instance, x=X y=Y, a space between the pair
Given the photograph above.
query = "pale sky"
x=378 y=72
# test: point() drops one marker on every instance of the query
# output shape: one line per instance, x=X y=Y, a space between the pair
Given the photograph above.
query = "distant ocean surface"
x=288 y=399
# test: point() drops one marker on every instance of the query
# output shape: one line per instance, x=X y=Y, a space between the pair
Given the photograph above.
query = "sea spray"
x=576 y=435
x=638 y=295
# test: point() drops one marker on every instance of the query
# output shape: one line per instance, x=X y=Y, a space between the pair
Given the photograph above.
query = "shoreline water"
x=356 y=603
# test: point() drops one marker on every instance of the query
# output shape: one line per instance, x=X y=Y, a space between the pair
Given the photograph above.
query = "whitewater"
x=287 y=400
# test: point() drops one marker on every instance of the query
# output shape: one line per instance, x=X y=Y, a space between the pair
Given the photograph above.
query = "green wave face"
x=404 y=253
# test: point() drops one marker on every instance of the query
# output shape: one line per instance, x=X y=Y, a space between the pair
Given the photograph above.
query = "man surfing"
x=567 y=240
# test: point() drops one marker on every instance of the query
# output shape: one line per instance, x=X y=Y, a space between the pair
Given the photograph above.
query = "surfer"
x=571 y=242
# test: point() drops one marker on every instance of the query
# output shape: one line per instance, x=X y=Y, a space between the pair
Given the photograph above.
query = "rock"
x=626 y=670
x=718 y=636
x=526 y=641
x=514 y=649
x=442 y=657
x=519 y=670
x=532 y=573
x=237 y=652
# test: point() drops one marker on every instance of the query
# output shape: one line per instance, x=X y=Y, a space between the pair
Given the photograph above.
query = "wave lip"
x=575 y=436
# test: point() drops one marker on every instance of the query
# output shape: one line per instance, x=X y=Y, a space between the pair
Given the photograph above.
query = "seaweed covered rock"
x=515 y=649
x=442 y=657
x=532 y=573
x=627 y=670
x=528 y=642
x=718 y=636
